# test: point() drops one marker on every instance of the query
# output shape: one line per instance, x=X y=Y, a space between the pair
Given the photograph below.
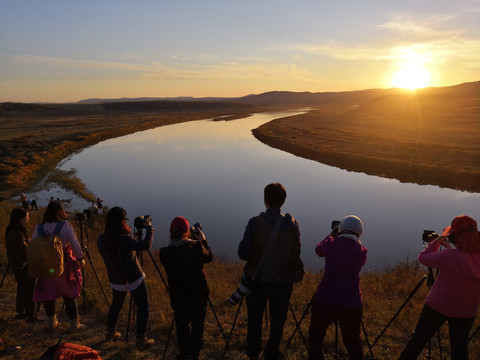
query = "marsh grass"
x=383 y=293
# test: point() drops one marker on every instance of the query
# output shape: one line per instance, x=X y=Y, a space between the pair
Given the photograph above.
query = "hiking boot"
x=75 y=325
x=113 y=335
x=143 y=343
x=52 y=322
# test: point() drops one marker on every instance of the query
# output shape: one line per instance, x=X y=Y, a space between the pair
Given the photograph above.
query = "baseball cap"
x=459 y=224
x=117 y=213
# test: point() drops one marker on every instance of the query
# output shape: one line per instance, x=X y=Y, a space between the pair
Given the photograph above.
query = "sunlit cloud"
x=425 y=27
x=248 y=69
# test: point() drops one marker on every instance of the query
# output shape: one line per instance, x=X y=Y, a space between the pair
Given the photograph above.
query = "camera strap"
x=271 y=239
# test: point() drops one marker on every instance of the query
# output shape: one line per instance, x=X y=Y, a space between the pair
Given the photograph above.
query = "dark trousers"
x=278 y=296
x=349 y=319
x=140 y=295
x=70 y=307
x=25 y=286
x=190 y=323
x=428 y=323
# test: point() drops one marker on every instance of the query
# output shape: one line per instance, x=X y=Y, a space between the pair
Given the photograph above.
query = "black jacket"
x=123 y=266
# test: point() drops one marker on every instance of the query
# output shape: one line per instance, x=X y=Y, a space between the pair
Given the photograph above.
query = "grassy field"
x=424 y=138
x=383 y=293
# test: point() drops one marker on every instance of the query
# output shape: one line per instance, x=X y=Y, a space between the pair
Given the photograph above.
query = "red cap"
x=460 y=224
x=180 y=223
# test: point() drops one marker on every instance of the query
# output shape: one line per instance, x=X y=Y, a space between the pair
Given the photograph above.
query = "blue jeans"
x=278 y=296
x=428 y=323
x=140 y=295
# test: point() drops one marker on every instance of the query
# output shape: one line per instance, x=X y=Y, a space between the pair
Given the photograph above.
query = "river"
x=214 y=172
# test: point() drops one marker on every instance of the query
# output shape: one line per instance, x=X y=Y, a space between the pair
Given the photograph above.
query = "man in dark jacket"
x=271 y=247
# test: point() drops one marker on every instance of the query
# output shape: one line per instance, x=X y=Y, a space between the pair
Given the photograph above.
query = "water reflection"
x=215 y=172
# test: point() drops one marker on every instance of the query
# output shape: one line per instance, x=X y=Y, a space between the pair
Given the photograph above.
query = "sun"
x=411 y=76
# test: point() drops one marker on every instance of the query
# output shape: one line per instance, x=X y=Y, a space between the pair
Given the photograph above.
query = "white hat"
x=351 y=223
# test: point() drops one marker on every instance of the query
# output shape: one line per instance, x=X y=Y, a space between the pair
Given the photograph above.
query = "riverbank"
x=418 y=138
x=383 y=292
x=34 y=138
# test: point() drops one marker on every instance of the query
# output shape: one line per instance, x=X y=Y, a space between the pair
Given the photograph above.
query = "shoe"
x=34 y=320
x=113 y=335
x=20 y=316
x=75 y=325
x=52 y=322
x=143 y=343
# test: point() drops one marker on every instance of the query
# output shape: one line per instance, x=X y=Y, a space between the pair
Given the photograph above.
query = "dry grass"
x=420 y=138
x=383 y=292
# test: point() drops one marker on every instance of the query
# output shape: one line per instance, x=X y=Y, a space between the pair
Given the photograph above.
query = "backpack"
x=71 y=351
x=45 y=254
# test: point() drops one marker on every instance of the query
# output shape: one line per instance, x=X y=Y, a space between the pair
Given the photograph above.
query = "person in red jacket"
x=455 y=295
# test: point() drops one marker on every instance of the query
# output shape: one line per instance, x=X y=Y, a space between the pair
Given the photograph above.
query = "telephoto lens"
x=242 y=291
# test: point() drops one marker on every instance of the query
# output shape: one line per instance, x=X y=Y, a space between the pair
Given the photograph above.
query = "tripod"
x=298 y=323
x=4 y=276
x=430 y=280
x=81 y=223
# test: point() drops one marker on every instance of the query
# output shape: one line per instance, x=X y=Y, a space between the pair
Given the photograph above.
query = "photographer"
x=69 y=283
x=16 y=239
x=271 y=248
x=118 y=249
x=455 y=295
x=338 y=296
x=183 y=261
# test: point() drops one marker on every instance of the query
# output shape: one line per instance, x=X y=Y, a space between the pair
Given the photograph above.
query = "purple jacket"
x=344 y=258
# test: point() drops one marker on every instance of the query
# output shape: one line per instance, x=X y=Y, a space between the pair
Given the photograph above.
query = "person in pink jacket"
x=455 y=295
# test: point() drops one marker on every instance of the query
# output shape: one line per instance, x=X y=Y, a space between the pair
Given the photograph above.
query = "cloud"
x=248 y=68
x=424 y=27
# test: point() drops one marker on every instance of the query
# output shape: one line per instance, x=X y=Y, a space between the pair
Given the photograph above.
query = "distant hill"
x=290 y=98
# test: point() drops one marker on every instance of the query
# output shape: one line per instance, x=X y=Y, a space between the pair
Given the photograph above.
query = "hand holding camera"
x=196 y=232
x=142 y=222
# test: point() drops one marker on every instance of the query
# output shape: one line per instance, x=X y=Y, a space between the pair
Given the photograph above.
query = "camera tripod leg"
x=4 y=275
x=297 y=327
x=231 y=330
x=216 y=318
x=415 y=289
x=158 y=269
x=96 y=275
x=168 y=338
x=366 y=339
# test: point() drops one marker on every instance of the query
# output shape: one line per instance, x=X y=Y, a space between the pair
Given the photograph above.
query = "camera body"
x=429 y=235
x=242 y=290
x=335 y=224
x=195 y=229
x=140 y=222
x=86 y=214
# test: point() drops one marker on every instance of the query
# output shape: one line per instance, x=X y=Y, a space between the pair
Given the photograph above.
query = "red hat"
x=459 y=224
x=180 y=223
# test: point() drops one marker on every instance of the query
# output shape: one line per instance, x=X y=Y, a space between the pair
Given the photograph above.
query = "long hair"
x=114 y=229
x=53 y=214
x=176 y=233
x=15 y=216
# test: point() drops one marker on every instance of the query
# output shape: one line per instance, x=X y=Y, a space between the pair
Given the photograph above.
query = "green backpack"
x=45 y=254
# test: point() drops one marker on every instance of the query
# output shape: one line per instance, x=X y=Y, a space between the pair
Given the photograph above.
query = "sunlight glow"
x=411 y=77
x=411 y=69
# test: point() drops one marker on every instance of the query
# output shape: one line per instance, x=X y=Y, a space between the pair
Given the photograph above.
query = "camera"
x=195 y=229
x=86 y=214
x=242 y=290
x=140 y=222
x=335 y=224
x=429 y=235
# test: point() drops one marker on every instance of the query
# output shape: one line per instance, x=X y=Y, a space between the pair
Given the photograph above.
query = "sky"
x=66 y=51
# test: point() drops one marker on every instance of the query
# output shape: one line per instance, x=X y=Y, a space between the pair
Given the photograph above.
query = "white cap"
x=351 y=223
